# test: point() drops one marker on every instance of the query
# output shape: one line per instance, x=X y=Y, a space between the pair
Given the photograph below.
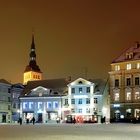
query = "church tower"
x=32 y=71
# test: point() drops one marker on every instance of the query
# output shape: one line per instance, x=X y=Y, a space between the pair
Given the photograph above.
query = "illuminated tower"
x=32 y=71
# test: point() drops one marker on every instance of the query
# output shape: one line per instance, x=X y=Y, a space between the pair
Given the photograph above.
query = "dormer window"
x=128 y=66
x=129 y=55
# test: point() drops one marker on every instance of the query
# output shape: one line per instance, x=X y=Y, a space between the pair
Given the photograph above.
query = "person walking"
x=33 y=120
x=20 y=121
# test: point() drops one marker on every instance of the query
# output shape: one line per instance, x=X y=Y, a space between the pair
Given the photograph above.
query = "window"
x=137 y=95
x=128 y=96
x=87 y=100
x=66 y=101
x=88 y=89
x=30 y=105
x=80 y=90
x=128 y=112
x=116 y=82
x=73 y=90
x=137 y=81
x=95 y=100
x=72 y=110
x=14 y=105
x=40 y=105
x=49 y=105
x=80 y=101
x=55 y=104
x=72 y=101
x=128 y=81
x=87 y=110
x=25 y=105
x=80 y=110
x=116 y=97
x=9 y=107
x=138 y=65
x=117 y=67
x=9 y=90
x=128 y=66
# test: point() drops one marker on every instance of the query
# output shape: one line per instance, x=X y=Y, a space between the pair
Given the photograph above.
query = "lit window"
x=116 y=97
x=40 y=105
x=49 y=105
x=128 y=66
x=117 y=67
x=128 y=112
x=30 y=105
x=128 y=96
x=55 y=104
x=25 y=105
x=80 y=90
x=137 y=95
x=138 y=65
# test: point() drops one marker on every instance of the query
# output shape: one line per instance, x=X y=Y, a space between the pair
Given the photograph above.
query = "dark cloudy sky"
x=70 y=35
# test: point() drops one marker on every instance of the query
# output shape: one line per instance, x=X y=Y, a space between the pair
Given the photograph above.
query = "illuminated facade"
x=43 y=100
x=125 y=85
x=86 y=101
x=48 y=100
x=32 y=71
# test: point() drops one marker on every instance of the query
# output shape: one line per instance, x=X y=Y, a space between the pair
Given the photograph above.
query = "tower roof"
x=32 y=63
x=130 y=54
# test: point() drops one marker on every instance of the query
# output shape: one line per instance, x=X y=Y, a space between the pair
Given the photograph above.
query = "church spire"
x=32 y=62
x=32 y=71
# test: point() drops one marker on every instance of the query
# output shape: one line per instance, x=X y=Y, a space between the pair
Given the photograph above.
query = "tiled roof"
x=54 y=84
x=4 y=81
x=134 y=50
x=100 y=85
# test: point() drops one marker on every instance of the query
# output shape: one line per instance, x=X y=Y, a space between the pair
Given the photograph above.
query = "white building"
x=87 y=101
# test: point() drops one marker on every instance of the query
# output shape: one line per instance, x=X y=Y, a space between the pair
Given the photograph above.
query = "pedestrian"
x=33 y=119
x=20 y=121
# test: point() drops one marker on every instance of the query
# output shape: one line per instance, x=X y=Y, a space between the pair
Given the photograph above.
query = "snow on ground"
x=70 y=132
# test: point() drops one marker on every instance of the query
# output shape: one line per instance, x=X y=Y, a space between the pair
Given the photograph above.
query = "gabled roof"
x=54 y=84
x=100 y=85
x=4 y=81
x=134 y=50
x=80 y=81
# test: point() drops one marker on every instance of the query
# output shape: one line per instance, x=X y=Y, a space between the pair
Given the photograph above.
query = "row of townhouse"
x=9 y=101
x=48 y=100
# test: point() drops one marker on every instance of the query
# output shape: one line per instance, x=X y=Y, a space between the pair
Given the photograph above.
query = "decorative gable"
x=80 y=81
x=40 y=91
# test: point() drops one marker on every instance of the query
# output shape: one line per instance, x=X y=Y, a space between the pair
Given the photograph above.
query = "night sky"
x=71 y=36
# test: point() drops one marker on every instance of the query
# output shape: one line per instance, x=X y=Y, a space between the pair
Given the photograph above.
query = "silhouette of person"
x=33 y=119
x=20 y=121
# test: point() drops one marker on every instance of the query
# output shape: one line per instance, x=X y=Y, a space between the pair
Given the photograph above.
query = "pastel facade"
x=125 y=85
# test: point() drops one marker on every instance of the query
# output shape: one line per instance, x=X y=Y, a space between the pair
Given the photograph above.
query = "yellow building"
x=125 y=85
x=32 y=71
